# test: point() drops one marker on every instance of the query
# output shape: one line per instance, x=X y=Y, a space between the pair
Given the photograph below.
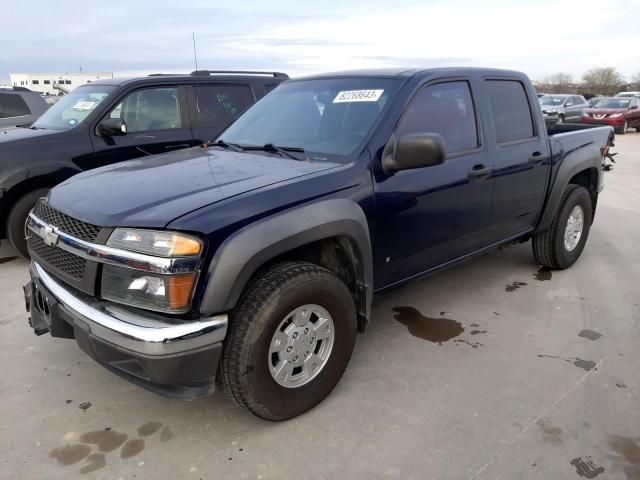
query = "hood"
x=152 y=191
x=15 y=133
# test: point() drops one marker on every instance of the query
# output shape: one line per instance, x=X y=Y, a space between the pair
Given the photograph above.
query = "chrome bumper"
x=133 y=332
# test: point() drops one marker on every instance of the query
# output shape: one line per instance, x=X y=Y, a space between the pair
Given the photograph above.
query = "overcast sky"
x=539 y=37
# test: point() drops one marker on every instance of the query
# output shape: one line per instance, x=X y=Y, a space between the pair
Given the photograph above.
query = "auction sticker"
x=347 y=96
x=85 y=105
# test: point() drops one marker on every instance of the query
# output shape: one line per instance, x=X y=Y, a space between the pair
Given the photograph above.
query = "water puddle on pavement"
x=436 y=330
x=514 y=286
x=590 y=334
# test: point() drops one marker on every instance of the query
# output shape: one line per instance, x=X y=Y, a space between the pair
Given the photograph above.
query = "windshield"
x=327 y=117
x=613 y=103
x=549 y=100
x=73 y=108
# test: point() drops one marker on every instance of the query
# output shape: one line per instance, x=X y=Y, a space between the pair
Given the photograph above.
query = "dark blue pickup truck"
x=254 y=260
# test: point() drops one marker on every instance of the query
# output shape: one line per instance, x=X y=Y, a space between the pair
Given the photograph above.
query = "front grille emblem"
x=49 y=236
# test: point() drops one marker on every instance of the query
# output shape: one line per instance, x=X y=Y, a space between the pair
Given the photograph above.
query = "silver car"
x=569 y=108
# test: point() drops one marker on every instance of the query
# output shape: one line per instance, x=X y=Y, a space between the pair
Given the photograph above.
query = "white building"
x=55 y=83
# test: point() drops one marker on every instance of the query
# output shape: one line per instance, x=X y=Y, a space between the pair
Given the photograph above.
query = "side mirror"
x=416 y=150
x=633 y=107
x=112 y=127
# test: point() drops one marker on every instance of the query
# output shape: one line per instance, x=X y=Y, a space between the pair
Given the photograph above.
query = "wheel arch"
x=331 y=233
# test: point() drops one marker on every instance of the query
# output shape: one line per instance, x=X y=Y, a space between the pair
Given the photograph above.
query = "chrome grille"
x=79 y=229
x=57 y=258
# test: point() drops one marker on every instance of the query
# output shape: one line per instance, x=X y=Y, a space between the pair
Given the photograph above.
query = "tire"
x=560 y=120
x=622 y=130
x=247 y=362
x=18 y=217
x=638 y=129
x=549 y=248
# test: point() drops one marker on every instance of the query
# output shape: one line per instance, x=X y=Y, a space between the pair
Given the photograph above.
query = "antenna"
x=195 y=54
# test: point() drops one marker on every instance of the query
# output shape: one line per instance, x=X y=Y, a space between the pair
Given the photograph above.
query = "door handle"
x=536 y=158
x=479 y=171
x=180 y=145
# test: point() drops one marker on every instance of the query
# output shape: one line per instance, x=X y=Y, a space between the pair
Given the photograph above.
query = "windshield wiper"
x=231 y=146
x=284 y=151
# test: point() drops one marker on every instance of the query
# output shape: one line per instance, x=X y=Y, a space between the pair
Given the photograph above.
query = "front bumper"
x=175 y=358
x=612 y=122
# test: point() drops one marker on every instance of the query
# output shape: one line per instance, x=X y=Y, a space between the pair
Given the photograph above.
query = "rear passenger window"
x=219 y=105
x=510 y=109
x=446 y=109
x=12 y=105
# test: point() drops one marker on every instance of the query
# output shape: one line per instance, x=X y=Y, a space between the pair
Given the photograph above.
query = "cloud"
x=538 y=37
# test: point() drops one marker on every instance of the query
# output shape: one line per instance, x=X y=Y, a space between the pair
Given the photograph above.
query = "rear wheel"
x=560 y=119
x=638 y=129
x=17 y=219
x=560 y=245
x=289 y=340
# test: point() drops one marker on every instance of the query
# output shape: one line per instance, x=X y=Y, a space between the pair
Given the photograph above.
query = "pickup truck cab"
x=256 y=259
x=109 y=121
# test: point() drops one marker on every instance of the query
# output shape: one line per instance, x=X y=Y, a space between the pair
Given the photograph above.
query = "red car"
x=619 y=112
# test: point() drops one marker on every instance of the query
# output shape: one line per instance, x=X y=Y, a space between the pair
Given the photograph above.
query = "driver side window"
x=150 y=109
x=446 y=109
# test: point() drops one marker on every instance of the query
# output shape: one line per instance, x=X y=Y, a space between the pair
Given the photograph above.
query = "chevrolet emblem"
x=49 y=236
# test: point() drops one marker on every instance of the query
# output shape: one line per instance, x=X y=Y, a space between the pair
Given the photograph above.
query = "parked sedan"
x=619 y=112
x=569 y=108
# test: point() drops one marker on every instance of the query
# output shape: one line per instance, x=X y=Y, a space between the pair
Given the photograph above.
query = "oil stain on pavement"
x=590 y=334
x=543 y=274
x=586 y=365
x=586 y=468
x=436 y=330
x=514 y=286
x=106 y=441
x=627 y=455
x=550 y=433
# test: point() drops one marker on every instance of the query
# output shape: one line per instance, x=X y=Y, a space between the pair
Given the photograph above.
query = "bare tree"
x=602 y=81
x=635 y=82
x=558 y=83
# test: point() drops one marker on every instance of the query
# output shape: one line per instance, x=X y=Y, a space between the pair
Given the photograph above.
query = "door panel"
x=428 y=216
x=521 y=160
x=156 y=121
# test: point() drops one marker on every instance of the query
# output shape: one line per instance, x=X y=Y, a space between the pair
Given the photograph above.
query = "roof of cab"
x=200 y=75
x=406 y=73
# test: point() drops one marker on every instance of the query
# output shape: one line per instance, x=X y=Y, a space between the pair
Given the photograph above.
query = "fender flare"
x=570 y=166
x=245 y=251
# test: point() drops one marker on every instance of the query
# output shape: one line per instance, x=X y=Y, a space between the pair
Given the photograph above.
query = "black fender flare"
x=245 y=251
x=572 y=163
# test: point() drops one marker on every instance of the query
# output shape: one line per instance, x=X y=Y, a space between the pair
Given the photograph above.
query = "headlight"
x=615 y=115
x=168 y=292
x=153 y=242
x=163 y=293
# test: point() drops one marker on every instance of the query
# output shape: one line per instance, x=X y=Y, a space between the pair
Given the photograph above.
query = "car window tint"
x=510 y=110
x=150 y=109
x=12 y=105
x=446 y=109
x=219 y=105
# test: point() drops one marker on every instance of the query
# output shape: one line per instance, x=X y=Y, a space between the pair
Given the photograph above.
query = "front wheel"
x=560 y=245
x=623 y=129
x=289 y=341
x=18 y=217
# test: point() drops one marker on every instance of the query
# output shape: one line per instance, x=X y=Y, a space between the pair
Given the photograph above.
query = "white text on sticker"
x=358 y=96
